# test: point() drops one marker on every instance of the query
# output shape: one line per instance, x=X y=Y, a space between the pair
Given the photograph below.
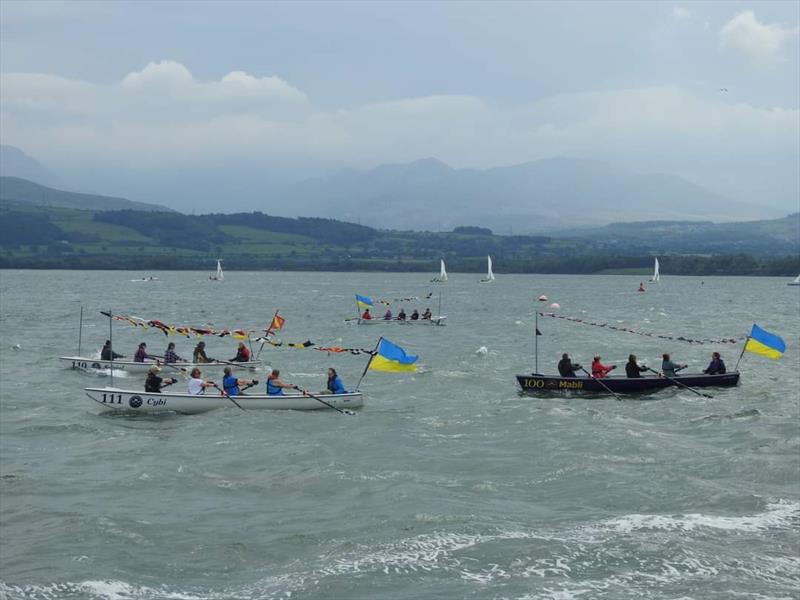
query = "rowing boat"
x=135 y=401
x=432 y=321
x=546 y=384
x=94 y=364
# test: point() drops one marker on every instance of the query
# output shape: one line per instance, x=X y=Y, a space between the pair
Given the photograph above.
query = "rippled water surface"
x=447 y=484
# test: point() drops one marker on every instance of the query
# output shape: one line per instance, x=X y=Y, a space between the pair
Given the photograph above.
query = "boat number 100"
x=532 y=383
x=112 y=398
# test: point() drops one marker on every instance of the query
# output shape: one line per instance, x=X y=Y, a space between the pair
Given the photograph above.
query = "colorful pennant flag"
x=765 y=343
x=363 y=301
x=392 y=358
x=277 y=322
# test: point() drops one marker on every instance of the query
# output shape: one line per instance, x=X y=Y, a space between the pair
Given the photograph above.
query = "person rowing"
x=716 y=366
x=334 y=383
x=275 y=386
x=669 y=368
x=199 y=354
x=242 y=354
x=632 y=368
x=106 y=353
x=566 y=368
x=141 y=353
x=599 y=369
x=154 y=384
x=415 y=315
x=427 y=315
x=198 y=385
x=401 y=316
x=231 y=384
x=170 y=356
x=387 y=316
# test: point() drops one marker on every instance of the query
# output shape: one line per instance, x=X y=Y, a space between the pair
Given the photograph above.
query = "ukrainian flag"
x=392 y=358
x=764 y=342
x=363 y=301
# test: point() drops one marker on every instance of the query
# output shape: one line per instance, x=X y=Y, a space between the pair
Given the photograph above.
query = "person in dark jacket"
x=141 y=353
x=632 y=368
x=170 y=356
x=415 y=315
x=242 y=354
x=716 y=366
x=199 y=354
x=106 y=353
x=154 y=383
x=566 y=368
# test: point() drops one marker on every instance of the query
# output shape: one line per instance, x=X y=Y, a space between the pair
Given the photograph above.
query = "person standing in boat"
x=716 y=366
x=231 y=384
x=198 y=385
x=170 y=356
x=106 y=353
x=275 y=386
x=199 y=354
x=427 y=315
x=401 y=316
x=632 y=368
x=242 y=354
x=387 y=316
x=334 y=384
x=669 y=368
x=566 y=368
x=154 y=384
x=599 y=369
x=141 y=353
x=366 y=316
x=415 y=315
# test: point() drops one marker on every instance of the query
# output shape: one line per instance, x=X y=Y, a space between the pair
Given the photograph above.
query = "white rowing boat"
x=432 y=321
x=94 y=364
x=134 y=401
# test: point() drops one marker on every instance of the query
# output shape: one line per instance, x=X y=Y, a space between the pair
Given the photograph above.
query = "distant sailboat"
x=218 y=276
x=442 y=275
x=795 y=281
x=489 y=273
x=656 y=274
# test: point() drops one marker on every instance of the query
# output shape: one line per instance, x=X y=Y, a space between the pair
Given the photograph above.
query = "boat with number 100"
x=547 y=384
x=145 y=402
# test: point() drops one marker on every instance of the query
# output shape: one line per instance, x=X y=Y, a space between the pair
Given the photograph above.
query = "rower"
x=141 y=353
x=169 y=354
x=198 y=385
x=242 y=354
x=106 y=353
x=599 y=369
x=415 y=315
x=566 y=368
x=274 y=384
x=669 y=368
x=366 y=316
x=199 y=354
x=401 y=316
x=716 y=366
x=231 y=384
x=334 y=385
x=632 y=368
x=154 y=384
x=427 y=315
x=387 y=315
x=641 y=286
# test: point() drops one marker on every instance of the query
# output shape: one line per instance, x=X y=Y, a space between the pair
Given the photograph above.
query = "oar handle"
x=328 y=404
x=680 y=383
x=228 y=396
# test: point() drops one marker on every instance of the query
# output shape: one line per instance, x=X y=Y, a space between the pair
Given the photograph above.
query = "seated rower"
x=566 y=368
x=366 y=316
x=401 y=316
x=154 y=383
x=242 y=354
x=716 y=366
x=141 y=353
x=199 y=355
x=669 y=368
x=415 y=315
x=198 y=385
x=334 y=384
x=230 y=384
x=170 y=356
x=641 y=287
x=427 y=315
x=275 y=386
x=599 y=369
x=632 y=368
x=106 y=353
x=387 y=316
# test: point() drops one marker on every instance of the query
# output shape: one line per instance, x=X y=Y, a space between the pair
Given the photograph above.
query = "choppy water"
x=447 y=484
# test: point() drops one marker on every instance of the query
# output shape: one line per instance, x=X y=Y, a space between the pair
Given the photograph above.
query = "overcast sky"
x=108 y=94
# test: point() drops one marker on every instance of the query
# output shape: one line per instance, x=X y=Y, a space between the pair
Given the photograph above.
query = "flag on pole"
x=392 y=358
x=765 y=343
x=363 y=301
x=277 y=322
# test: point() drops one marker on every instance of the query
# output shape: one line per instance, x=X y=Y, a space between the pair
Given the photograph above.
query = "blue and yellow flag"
x=363 y=301
x=392 y=358
x=765 y=343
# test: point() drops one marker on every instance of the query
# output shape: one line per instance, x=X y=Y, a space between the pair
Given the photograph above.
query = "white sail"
x=443 y=273
x=656 y=275
x=795 y=281
x=490 y=273
x=218 y=276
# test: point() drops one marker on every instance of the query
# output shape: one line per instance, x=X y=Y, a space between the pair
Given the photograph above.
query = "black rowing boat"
x=537 y=384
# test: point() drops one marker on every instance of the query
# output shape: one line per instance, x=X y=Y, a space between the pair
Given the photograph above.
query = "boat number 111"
x=112 y=398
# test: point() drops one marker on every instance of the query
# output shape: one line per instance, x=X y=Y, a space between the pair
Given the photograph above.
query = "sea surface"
x=447 y=484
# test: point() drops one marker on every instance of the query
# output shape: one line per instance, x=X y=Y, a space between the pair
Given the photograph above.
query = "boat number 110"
x=112 y=398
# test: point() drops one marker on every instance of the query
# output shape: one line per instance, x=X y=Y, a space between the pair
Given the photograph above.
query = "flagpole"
x=369 y=362
x=358 y=311
x=80 y=331
x=111 y=340
x=747 y=339
x=536 y=338
x=266 y=335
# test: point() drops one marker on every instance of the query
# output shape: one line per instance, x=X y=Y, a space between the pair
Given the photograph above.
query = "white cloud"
x=681 y=13
x=760 y=42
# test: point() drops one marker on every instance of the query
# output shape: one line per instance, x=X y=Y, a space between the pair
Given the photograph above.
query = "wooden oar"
x=328 y=404
x=608 y=389
x=228 y=396
x=683 y=385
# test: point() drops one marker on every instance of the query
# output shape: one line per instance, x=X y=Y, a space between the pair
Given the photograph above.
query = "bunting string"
x=729 y=340
x=388 y=301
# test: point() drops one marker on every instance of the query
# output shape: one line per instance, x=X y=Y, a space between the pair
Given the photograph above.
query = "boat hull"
x=144 y=402
x=546 y=384
x=92 y=364
x=431 y=321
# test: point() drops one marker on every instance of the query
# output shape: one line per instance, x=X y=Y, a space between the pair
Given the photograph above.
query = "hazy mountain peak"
x=15 y=163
